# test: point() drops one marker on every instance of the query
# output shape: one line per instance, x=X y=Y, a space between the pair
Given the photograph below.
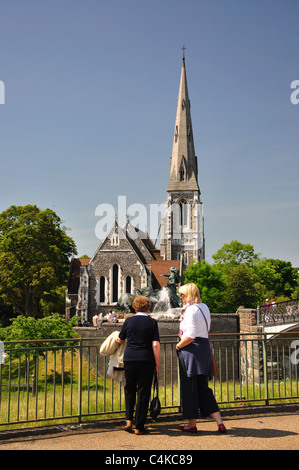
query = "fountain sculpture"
x=165 y=301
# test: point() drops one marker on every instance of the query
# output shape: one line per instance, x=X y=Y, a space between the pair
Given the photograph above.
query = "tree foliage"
x=34 y=257
x=234 y=253
x=32 y=329
x=29 y=328
x=210 y=282
x=240 y=277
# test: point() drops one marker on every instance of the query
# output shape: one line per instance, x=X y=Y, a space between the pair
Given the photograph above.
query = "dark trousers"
x=196 y=395
x=139 y=378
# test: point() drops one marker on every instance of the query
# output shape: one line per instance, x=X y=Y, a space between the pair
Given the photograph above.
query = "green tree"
x=234 y=253
x=32 y=329
x=243 y=288
x=285 y=278
x=34 y=257
x=239 y=277
x=210 y=283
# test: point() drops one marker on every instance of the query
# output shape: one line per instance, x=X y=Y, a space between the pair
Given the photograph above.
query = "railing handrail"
x=162 y=337
x=81 y=384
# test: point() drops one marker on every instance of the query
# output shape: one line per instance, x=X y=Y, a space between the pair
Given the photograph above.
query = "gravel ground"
x=264 y=429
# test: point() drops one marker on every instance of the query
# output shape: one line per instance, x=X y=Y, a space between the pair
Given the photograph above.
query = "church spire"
x=183 y=164
x=182 y=225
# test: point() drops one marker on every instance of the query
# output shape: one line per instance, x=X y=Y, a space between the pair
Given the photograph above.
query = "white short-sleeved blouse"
x=193 y=323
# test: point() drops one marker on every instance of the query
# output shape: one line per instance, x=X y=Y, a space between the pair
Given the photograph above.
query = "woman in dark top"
x=141 y=358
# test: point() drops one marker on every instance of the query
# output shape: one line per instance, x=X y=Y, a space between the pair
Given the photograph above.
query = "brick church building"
x=127 y=259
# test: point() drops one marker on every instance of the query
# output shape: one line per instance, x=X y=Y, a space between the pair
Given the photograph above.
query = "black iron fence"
x=53 y=381
x=278 y=312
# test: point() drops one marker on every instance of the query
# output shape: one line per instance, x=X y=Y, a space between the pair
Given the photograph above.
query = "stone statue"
x=160 y=300
x=174 y=278
x=124 y=303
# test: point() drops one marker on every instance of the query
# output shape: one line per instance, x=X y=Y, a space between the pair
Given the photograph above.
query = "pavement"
x=259 y=428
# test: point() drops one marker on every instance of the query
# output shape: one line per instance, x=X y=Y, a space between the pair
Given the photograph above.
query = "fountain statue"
x=164 y=301
x=174 y=278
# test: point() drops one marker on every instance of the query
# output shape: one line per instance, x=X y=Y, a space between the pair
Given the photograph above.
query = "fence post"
x=33 y=385
x=80 y=381
x=265 y=366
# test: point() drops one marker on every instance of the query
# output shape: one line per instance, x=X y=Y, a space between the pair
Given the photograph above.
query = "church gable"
x=115 y=269
x=140 y=242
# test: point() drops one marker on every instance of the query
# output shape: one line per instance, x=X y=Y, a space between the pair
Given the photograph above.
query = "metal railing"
x=278 y=313
x=51 y=380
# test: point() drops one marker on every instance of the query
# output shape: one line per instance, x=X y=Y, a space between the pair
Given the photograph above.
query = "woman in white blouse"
x=195 y=360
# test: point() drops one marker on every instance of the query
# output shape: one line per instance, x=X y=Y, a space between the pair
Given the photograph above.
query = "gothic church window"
x=115 y=274
x=115 y=240
x=102 y=289
x=183 y=213
x=128 y=285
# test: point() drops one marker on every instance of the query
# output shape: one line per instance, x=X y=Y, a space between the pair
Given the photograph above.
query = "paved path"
x=276 y=429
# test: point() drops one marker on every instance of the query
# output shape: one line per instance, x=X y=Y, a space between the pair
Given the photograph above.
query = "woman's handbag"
x=155 y=406
x=214 y=363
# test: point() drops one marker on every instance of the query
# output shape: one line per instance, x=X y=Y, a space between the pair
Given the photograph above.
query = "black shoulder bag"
x=155 y=406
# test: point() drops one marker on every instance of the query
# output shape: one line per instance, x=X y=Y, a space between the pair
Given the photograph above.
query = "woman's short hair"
x=141 y=304
x=190 y=292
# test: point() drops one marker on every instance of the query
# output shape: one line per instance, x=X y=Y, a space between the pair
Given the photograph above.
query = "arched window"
x=102 y=289
x=115 y=240
x=183 y=214
x=182 y=173
x=115 y=274
x=128 y=285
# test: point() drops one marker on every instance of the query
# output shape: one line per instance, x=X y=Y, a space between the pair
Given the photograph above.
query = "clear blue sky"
x=90 y=99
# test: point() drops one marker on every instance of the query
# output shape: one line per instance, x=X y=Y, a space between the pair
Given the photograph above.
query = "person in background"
x=95 y=320
x=141 y=359
x=195 y=360
x=112 y=318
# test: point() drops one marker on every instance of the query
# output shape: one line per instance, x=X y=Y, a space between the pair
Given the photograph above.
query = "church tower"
x=182 y=226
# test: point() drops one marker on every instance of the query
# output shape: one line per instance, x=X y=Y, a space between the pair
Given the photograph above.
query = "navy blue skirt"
x=196 y=358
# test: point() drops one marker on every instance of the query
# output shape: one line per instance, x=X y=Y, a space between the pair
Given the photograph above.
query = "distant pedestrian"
x=95 y=319
x=266 y=310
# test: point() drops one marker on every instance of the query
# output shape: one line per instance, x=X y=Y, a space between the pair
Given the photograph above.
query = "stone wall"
x=251 y=349
x=220 y=323
x=168 y=328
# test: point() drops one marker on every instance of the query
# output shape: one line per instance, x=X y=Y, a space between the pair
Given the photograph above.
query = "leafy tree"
x=240 y=277
x=285 y=278
x=34 y=257
x=243 y=288
x=29 y=328
x=32 y=329
x=234 y=253
x=210 y=282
